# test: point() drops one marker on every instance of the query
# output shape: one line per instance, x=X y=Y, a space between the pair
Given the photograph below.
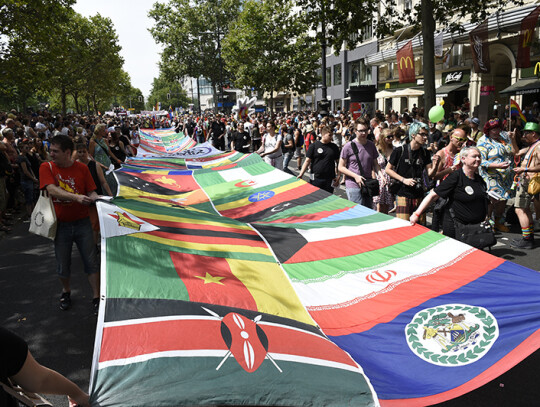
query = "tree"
x=268 y=48
x=169 y=93
x=191 y=32
x=340 y=19
x=28 y=33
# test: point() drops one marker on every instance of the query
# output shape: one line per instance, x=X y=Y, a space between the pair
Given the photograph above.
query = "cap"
x=531 y=126
x=475 y=121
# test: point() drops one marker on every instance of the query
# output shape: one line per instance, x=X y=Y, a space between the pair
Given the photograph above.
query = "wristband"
x=417 y=214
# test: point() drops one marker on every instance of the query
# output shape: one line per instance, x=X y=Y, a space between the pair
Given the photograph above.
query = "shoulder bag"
x=479 y=235
x=43 y=220
x=371 y=185
x=534 y=182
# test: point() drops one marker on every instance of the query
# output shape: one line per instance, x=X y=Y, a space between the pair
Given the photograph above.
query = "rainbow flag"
x=516 y=111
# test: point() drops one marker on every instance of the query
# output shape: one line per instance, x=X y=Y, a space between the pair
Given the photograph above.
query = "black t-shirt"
x=24 y=159
x=13 y=352
x=410 y=168
x=241 y=139
x=190 y=128
x=435 y=136
x=468 y=197
x=323 y=159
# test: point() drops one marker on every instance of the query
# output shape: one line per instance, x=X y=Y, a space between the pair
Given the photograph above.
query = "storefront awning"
x=444 y=90
x=523 y=87
x=385 y=94
x=409 y=92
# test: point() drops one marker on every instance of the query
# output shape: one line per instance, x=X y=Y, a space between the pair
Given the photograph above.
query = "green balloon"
x=436 y=113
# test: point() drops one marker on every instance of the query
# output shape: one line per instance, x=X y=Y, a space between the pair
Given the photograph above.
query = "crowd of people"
x=461 y=170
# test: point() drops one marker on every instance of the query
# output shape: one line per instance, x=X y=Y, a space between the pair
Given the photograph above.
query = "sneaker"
x=65 y=301
x=95 y=304
x=525 y=244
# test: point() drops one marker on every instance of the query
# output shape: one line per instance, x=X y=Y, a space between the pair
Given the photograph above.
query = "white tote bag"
x=43 y=220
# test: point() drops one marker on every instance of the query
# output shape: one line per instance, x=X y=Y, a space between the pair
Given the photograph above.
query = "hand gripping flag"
x=256 y=288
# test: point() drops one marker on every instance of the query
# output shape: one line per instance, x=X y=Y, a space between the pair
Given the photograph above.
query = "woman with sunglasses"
x=385 y=200
x=497 y=148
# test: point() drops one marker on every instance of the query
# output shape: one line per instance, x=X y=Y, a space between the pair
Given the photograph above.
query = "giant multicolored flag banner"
x=226 y=281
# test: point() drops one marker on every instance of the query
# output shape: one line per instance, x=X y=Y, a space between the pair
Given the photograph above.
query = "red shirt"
x=75 y=179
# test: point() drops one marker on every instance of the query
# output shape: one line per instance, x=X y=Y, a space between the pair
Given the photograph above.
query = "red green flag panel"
x=242 y=273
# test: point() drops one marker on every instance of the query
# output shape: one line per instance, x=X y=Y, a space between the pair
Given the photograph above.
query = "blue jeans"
x=287 y=157
x=355 y=195
x=78 y=232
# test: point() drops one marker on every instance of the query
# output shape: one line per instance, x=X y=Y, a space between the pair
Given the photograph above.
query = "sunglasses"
x=460 y=139
x=389 y=137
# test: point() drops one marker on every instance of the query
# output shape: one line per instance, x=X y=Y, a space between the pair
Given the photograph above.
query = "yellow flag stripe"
x=270 y=289
x=179 y=219
x=245 y=201
x=208 y=247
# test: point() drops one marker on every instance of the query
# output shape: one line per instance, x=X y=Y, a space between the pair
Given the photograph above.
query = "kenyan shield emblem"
x=452 y=334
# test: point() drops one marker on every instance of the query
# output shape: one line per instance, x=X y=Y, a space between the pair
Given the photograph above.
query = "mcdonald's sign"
x=527 y=36
x=405 y=60
x=537 y=69
x=528 y=25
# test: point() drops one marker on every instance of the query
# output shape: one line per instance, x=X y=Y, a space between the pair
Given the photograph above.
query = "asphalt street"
x=64 y=340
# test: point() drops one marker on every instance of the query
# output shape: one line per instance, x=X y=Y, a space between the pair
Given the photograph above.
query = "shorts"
x=298 y=152
x=523 y=198
x=78 y=232
x=406 y=206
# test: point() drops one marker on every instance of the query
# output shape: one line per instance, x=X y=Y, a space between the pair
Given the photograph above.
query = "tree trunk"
x=272 y=102
x=428 y=31
x=63 y=97
x=88 y=104
x=76 y=101
x=95 y=104
x=214 y=91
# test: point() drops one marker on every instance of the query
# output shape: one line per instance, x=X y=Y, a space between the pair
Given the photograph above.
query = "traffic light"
x=168 y=96
x=140 y=98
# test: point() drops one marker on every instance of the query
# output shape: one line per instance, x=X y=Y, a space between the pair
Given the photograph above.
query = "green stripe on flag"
x=320 y=270
x=129 y=277
x=364 y=220
x=186 y=381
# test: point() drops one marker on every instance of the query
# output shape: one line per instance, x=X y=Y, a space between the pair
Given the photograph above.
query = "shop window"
x=328 y=76
x=456 y=56
x=337 y=104
x=337 y=74
x=354 y=73
x=359 y=73
x=418 y=66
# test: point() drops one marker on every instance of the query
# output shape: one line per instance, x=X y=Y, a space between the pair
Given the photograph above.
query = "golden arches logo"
x=407 y=61
x=537 y=69
x=527 y=38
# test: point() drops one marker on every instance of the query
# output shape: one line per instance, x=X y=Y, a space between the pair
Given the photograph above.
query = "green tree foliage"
x=28 y=29
x=47 y=48
x=343 y=19
x=191 y=32
x=268 y=48
x=161 y=87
